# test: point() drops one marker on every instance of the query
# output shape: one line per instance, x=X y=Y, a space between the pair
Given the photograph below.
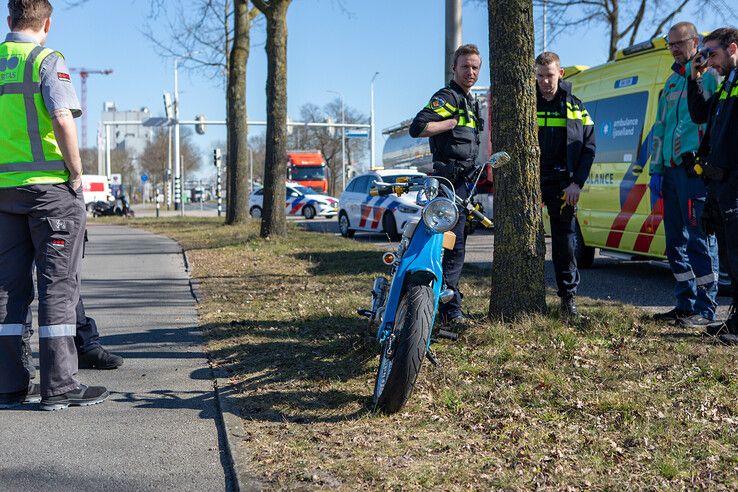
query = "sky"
x=332 y=46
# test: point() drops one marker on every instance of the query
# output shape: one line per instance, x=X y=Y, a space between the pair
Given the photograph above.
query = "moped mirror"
x=428 y=192
x=430 y=187
x=499 y=159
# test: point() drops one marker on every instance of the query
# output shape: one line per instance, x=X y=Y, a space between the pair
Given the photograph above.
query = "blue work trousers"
x=692 y=254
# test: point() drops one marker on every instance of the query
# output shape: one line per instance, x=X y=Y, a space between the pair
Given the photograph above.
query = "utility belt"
x=454 y=169
x=550 y=177
x=696 y=168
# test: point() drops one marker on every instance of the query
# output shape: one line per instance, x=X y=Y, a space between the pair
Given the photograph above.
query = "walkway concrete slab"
x=159 y=430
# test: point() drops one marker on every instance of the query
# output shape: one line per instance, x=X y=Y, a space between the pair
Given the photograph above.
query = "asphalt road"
x=646 y=284
x=159 y=428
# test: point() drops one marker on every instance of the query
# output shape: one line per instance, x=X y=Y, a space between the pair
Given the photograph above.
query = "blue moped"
x=404 y=307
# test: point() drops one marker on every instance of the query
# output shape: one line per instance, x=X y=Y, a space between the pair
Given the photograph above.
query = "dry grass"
x=618 y=403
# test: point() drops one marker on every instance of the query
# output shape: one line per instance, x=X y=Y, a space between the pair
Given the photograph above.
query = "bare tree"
x=237 y=207
x=624 y=19
x=213 y=37
x=153 y=159
x=274 y=221
x=517 y=269
x=327 y=141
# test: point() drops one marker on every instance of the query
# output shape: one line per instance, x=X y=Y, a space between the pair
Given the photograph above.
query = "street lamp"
x=177 y=168
x=373 y=162
x=343 y=142
x=178 y=184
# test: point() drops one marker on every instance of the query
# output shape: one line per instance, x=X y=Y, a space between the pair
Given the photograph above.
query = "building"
x=133 y=138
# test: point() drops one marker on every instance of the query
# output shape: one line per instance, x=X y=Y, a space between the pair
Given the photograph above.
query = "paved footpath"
x=160 y=428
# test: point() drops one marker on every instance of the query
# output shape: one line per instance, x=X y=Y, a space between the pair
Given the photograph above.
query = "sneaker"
x=697 y=321
x=569 y=309
x=672 y=316
x=99 y=358
x=82 y=396
x=31 y=395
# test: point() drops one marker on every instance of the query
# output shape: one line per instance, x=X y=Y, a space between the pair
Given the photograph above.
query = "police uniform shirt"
x=552 y=134
x=57 y=89
x=451 y=102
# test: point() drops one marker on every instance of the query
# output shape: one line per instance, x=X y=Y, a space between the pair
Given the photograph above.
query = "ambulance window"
x=619 y=126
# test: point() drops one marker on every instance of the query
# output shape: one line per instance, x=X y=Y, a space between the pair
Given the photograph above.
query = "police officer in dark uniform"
x=452 y=122
x=719 y=159
x=567 y=142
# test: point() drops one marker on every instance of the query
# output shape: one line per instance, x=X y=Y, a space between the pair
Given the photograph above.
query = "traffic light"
x=200 y=126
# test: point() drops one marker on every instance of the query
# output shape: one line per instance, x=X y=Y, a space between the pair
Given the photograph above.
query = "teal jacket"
x=674 y=132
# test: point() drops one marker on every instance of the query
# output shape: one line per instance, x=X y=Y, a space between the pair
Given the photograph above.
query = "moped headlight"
x=440 y=214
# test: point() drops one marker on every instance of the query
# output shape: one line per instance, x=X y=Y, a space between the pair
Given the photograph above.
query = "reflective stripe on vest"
x=448 y=110
x=551 y=119
x=575 y=113
x=29 y=153
x=733 y=92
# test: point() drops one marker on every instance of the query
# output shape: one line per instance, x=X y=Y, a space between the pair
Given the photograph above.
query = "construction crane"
x=83 y=74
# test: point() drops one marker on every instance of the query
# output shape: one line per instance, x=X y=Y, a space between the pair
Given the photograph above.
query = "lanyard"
x=727 y=87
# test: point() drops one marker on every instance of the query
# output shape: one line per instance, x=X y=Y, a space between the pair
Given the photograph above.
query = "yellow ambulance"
x=616 y=211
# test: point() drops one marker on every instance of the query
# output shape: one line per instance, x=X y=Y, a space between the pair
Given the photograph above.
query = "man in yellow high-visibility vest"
x=42 y=212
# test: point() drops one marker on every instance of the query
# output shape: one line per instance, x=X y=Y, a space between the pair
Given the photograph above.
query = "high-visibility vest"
x=29 y=152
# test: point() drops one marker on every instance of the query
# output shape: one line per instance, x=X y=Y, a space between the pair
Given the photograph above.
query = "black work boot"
x=569 y=308
x=99 y=358
x=697 y=321
x=31 y=395
x=671 y=317
x=83 y=396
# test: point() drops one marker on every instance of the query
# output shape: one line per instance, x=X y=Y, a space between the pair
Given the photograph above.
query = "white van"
x=95 y=188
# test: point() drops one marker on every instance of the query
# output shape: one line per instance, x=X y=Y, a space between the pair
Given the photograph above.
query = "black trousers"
x=726 y=194
x=563 y=236
x=453 y=260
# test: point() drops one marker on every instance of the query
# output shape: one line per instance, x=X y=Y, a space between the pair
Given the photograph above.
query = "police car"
x=299 y=201
x=359 y=211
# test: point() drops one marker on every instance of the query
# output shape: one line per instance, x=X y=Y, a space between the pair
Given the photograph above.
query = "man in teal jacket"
x=692 y=254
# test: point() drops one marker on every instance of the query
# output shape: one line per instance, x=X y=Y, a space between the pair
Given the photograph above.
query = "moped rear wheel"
x=403 y=354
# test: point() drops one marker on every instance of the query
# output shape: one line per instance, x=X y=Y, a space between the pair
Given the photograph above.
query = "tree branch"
x=263 y=6
x=669 y=18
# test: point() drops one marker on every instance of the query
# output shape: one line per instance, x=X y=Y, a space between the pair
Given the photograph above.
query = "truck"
x=308 y=168
x=401 y=151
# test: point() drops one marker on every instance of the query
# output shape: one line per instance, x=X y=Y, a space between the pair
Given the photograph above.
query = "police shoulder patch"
x=437 y=102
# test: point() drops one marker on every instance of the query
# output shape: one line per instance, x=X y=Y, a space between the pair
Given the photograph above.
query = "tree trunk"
x=519 y=250
x=274 y=222
x=237 y=202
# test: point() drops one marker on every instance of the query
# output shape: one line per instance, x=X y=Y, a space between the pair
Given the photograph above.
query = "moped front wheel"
x=403 y=353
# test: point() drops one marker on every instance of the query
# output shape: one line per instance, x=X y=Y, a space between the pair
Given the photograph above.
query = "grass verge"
x=617 y=403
